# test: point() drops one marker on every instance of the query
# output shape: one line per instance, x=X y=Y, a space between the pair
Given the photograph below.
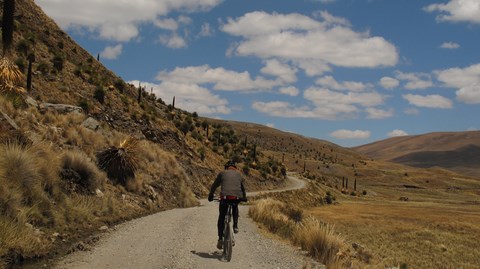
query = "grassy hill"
x=456 y=151
x=57 y=190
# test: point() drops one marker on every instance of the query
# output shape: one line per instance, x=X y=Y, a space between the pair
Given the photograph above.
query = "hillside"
x=58 y=191
x=456 y=151
x=59 y=138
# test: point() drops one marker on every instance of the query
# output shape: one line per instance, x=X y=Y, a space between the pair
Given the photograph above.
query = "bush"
x=79 y=174
x=99 y=94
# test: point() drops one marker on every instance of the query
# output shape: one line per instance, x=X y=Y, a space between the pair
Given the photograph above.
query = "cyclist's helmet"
x=230 y=163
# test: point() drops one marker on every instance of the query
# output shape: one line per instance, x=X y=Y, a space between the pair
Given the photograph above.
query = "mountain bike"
x=228 y=238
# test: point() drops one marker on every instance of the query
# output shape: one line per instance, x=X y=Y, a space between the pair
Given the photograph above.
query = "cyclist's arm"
x=215 y=184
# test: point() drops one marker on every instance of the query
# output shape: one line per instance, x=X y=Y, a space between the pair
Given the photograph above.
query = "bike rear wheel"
x=228 y=243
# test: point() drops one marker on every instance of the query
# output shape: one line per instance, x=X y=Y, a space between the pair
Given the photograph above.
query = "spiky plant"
x=10 y=77
x=120 y=162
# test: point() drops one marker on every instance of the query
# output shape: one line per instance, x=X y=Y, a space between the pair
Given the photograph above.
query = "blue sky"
x=347 y=71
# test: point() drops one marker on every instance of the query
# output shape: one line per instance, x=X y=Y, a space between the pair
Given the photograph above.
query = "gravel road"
x=186 y=238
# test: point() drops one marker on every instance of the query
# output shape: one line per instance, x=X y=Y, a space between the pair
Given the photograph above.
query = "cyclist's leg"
x=222 y=210
x=235 y=214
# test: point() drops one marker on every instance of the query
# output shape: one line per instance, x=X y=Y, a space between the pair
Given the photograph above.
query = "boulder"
x=60 y=108
x=91 y=124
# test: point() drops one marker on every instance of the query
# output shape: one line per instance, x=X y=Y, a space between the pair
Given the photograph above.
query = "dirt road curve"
x=186 y=238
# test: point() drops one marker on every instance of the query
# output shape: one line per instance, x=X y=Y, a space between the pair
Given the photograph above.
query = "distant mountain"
x=456 y=151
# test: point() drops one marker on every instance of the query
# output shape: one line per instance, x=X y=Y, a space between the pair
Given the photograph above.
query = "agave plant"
x=10 y=77
x=120 y=162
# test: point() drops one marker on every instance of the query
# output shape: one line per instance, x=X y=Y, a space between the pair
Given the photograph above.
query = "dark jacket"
x=231 y=182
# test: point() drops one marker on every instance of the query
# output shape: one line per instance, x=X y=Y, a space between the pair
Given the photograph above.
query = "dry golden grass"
x=420 y=235
x=10 y=77
x=319 y=239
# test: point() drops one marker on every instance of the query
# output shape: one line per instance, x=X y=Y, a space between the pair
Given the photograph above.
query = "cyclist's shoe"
x=220 y=244
x=235 y=230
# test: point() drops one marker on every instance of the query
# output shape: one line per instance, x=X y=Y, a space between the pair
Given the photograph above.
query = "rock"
x=91 y=124
x=7 y=122
x=31 y=102
x=403 y=198
x=99 y=193
x=60 y=108
x=103 y=228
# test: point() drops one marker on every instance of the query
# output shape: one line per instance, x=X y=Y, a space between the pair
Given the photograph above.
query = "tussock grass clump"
x=319 y=239
x=120 y=162
x=313 y=236
x=79 y=173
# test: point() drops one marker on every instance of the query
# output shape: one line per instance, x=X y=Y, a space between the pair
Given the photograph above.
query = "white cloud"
x=206 y=30
x=281 y=70
x=376 y=113
x=430 y=101
x=173 y=41
x=222 y=79
x=167 y=24
x=449 y=45
x=415 y=81
x=396 y=133
x=325 y=97
x=271 y=125
x=331 y=83
x=465 y=80
x=112 y=52
x=117 y=20
x=284 y=110
x=290 y=90
x=303 y=40
x=330 y=19
x=469 y=94
x=389 y=83
x=349 y=134
x=190 y=97
x=459 y=77
x=457 y=11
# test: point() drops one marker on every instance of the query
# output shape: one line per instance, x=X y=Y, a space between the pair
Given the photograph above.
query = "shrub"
x=79 y=173
x=99 y=94
x=58 y=61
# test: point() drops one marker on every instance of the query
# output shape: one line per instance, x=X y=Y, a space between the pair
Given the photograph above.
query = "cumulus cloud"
x=469 y=94
x=396 y=133
x=311 y=44
x=206 y=30
x=389 y=83
x=173 y=41
x=457 y=11
x=325 y=104
x=190 y=97
x=430 y=101
x=349 y=134
x=112 y=52
x=376 y=113
x=118 y=20
x=465 y=80
x=449 y=45
x=281 y=70
x=459 y=77
x=290 y=90
x=415 y=81
x=331 y=83
x=221 y=78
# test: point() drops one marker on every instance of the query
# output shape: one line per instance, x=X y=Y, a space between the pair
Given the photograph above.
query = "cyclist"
x=231 y=182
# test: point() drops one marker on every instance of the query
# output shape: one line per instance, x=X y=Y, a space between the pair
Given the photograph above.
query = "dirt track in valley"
x=186 y=238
